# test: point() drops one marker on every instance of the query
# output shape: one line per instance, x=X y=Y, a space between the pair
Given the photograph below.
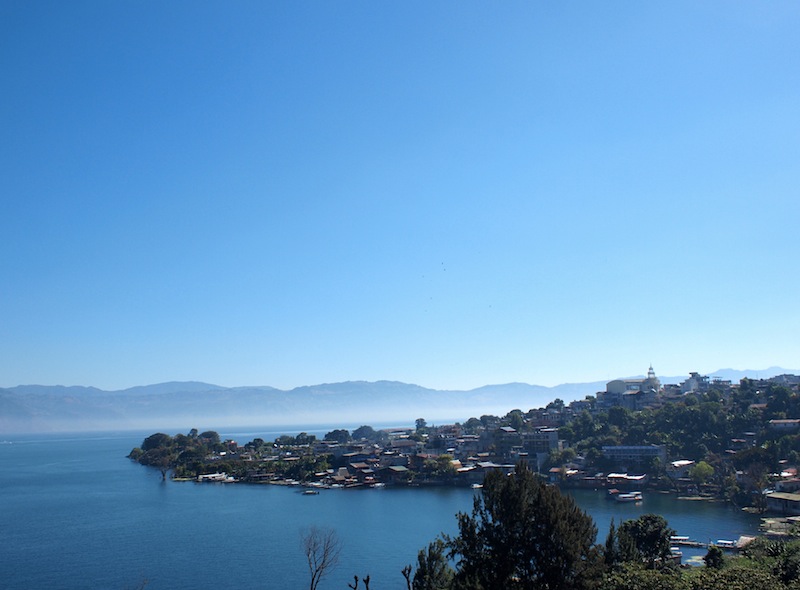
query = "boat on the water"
x=725 y=544
x=629 y=497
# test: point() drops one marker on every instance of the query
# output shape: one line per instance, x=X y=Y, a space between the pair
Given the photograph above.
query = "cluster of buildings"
x=443 y=455
x=453 y=454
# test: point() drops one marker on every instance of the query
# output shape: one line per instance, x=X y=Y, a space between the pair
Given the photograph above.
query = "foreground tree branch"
x=322 y=548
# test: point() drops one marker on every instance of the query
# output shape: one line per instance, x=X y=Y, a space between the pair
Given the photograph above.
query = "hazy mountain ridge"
x=183 y=405
x=56 y=390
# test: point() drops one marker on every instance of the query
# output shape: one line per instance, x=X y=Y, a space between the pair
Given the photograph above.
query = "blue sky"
x=450 y=194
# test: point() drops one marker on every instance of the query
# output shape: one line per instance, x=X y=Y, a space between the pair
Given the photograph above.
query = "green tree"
x=472 y=425
x=365 y=432
x=619 y=417
x=524 y=535
x=257 y=444
x=611 y=549
x=488 y=420
x=645 y=539
x=157 y=450
x=715 y=558
x=210 y=437
x=154 y=441
x=433 y=569
x=305 y=439
x=701 y=472
x=286 y=440
x=515 y=419
x=340 y=435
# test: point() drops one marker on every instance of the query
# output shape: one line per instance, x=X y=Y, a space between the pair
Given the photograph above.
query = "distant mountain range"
x=185 y=405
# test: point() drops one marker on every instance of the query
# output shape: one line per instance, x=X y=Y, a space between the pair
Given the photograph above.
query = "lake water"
x=77 y=514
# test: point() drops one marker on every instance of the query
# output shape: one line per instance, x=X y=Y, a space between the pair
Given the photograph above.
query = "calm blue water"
x=77 y=514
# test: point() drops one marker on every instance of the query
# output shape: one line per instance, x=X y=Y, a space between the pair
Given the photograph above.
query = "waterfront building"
x=783 y=502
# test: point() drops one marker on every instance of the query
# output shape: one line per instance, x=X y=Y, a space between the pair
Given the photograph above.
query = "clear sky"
x=450 y=194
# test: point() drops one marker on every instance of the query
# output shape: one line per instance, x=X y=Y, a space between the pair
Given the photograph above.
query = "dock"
x=680 y=541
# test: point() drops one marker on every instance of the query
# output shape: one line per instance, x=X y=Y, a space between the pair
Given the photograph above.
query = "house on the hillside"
x=505 y=439
x=787 y=426
x=641 y=456
x=633 y=394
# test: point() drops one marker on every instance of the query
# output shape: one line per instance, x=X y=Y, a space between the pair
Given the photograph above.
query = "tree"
x=714 y=558
x=340 y=435
x=620 y=417
x=406 y=571
x=354 y=585
x=645 y=539
x=210 y=437
x=164 y=462
x=611 y=550
x=421 y=424
x=472 y=425
x=322 y=548
x=523 y=535
x=305 y=439
x=365 y=432
x=154 y=441
x=158 y=450
x=701 y=472
x=515 y=419
x=257 y=443
x=433 y=569
x=487 y=420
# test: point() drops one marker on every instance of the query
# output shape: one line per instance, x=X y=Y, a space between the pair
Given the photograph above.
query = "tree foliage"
x=714 y=558
x=523 y=534
x=645 y=539
x=433 y=569
x=634 y=576
x=701 y=472
x=154 y=441
x=368 y=433
x=340 y=435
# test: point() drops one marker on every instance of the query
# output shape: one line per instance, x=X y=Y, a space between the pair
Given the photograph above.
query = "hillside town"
x=705 y=438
